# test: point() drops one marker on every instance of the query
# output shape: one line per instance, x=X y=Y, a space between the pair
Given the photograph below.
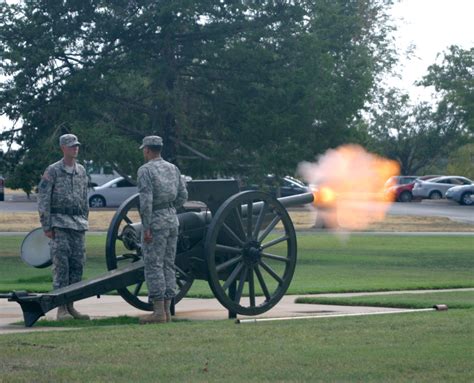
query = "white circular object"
x=35 y=249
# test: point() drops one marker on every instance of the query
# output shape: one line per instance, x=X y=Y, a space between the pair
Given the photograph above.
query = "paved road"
x=430 y=208
x=427 y=208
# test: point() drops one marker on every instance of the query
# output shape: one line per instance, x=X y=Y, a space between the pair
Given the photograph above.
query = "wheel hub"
x=130 y=238
x=252 y=252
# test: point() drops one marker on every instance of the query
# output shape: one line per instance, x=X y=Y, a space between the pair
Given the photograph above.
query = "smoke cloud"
x=349 y=183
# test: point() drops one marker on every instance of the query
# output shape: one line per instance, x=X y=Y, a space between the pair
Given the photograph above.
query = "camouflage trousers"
x=68 y=254
x=159 y=256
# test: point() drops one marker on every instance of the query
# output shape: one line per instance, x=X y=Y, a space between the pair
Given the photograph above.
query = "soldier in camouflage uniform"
x=162 y=190
x=64 y=211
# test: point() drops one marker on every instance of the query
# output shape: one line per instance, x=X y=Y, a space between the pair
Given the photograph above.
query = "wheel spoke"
x=269 y=228
x=240 y=289
x=137 y=288
x=128 y=220
x=228 y=249
x=275 y=257
x=233 y=276
x=181 y=272
x=251 y=287
x=228 y=263
x=259 y=222
x=249 y=219
x=274 y=242
x=239 y=221
x=262 y=282
x=232 y=234
x=270 y=271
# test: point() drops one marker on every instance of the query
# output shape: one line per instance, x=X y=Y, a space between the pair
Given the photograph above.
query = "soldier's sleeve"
x=145 y=188
x=182 y=195
x=45 y=189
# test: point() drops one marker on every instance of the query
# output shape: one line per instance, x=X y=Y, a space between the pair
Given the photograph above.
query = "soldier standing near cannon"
x=162 y=190
x=64 y=211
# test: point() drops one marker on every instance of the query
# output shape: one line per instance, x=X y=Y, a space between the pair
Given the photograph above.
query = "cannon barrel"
x=294 y=200
x=193 y=223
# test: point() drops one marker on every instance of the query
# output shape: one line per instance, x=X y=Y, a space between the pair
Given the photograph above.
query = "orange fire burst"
x=349 y=185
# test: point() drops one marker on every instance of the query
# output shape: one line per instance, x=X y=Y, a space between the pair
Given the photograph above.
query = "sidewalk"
x=190 y=309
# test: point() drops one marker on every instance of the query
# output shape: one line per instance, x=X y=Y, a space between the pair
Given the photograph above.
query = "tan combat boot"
x=168 y=310
x=157 y=316
x=63 y=313
x=76 y=314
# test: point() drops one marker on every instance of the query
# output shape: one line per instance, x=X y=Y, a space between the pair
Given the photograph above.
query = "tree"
x=454 y=80
x=232 y=87
x=414 y=135
x=461 y=161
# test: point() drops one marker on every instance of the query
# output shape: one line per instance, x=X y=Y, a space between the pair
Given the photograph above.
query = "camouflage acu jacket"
x=162 y=190
x=62 y=198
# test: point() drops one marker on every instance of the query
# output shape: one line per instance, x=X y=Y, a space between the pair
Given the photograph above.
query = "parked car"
x=463 y=194
x=2 y=188
x=112 y=193
x=292 y=186
x=288 y=186
x=399 y=188
x=436 y=188
x=99 y=175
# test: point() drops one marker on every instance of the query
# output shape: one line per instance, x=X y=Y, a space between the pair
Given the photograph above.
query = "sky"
x=431 y=26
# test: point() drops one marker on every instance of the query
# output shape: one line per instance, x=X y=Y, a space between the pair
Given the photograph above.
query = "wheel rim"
x=467 y=199
x=435 y=195
x=97 y=202
x=123 y=247
x=250 y=261
x=405 y=197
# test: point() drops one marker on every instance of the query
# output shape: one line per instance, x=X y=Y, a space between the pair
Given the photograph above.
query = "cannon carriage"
x=242 y=243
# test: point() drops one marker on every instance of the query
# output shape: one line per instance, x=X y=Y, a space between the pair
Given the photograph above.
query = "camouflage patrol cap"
x=152 y=141
x=68 y=140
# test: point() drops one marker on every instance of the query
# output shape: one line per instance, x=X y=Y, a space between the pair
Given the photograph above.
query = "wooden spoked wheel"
x=250 y=250
x=123 y=246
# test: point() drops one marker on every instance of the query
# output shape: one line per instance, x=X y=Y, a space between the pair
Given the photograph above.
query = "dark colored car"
x=286 y=187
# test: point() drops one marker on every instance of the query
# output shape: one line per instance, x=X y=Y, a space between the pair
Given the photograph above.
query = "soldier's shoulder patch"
x=45 y=180
x=44 y=183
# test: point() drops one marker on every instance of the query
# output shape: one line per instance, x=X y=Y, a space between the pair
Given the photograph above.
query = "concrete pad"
x=188 y=308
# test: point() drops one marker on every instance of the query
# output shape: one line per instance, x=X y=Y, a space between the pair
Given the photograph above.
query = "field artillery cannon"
x=242 y=243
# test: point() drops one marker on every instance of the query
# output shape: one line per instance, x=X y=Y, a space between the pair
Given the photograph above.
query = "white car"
x=99 y=175
x=436 y=188
x=112 y=193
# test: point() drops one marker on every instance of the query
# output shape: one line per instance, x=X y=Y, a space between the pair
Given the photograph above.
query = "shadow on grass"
x=115 y=321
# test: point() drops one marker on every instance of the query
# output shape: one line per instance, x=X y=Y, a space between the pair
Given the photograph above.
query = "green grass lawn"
x=325 y=264
x=421 y=347
x=418 y=347
x=454 y=300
